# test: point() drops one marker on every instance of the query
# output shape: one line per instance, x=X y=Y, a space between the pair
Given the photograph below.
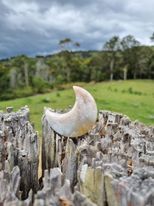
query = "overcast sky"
x=34 y=27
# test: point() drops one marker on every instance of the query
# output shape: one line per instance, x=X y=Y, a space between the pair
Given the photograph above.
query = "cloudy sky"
x=35 y=26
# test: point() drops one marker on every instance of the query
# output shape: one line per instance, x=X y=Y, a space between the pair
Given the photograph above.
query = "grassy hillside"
x=133 y=98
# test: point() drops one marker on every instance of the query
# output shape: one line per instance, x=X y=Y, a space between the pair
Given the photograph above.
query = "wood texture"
x=111 y=165
x=19 y=146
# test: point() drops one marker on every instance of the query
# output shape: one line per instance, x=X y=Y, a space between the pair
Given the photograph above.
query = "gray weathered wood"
x=9 y=189
x=111 y=165
x=19 y=146
x=114 y=152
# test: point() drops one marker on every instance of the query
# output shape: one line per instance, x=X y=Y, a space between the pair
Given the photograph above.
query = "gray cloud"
x=35 y=26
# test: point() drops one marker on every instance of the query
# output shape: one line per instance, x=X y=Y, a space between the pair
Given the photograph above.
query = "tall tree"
x=152 y=37
x=66 y=53
x=4 y=78
x=64 y=43
x=129 y=46
x=21 y=65
x=112 y=47
x=76 y=44
x=150 y=63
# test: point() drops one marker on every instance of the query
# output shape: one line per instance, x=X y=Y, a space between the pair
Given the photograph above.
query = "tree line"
x=120 y=58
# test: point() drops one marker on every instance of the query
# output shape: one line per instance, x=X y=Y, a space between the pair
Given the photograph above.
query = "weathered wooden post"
x=19 y=146
x=19 y=166
x=112 y=165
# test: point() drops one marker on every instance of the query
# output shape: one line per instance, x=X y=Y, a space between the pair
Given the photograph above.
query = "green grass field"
x=133 y=98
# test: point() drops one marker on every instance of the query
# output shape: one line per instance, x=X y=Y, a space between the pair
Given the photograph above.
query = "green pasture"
x=133 y=98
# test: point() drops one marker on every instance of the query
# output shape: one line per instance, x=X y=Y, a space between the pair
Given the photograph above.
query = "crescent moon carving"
x=79 y=120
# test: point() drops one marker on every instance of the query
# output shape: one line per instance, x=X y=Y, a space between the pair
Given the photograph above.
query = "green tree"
x=64 y=43
x=152 y=37
x=4 y=77
x=129 y=46
x=20 y=64
x=112 y=46
x=4 y=81
x=68 y=57
x=150 y=63
x=76 y=44
x=98 y=65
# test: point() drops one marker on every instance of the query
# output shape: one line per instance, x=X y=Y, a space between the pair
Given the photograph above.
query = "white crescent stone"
x=79 y=120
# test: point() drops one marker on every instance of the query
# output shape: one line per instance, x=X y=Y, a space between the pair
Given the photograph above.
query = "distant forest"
x=119 y=59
